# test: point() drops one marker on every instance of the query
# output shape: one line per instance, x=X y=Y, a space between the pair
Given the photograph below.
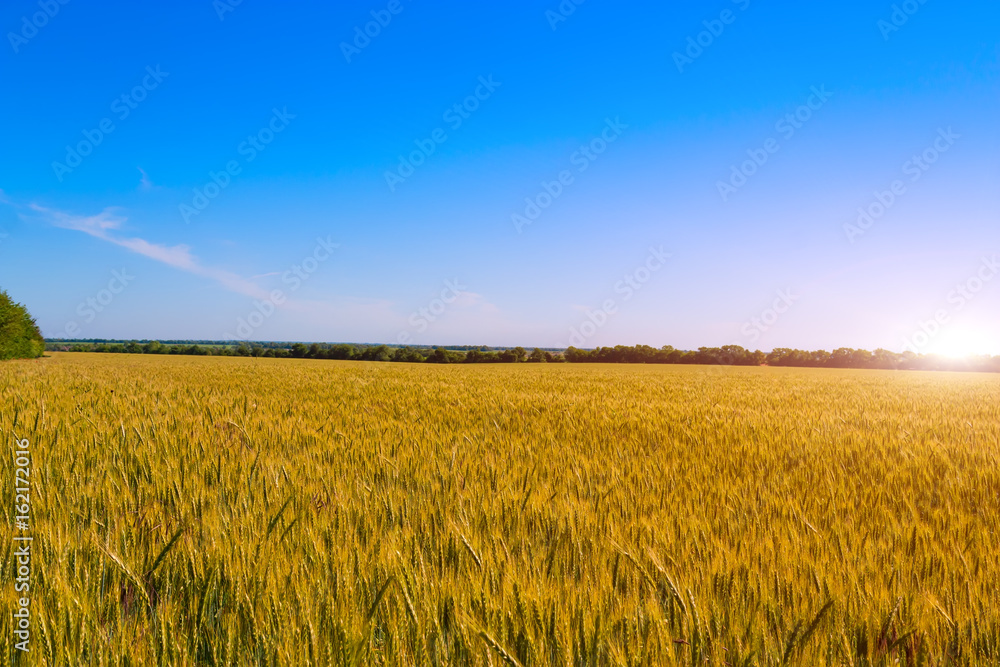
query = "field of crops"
x=241 y=511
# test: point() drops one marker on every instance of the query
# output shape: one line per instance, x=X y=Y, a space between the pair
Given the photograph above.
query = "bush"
x=19 y=335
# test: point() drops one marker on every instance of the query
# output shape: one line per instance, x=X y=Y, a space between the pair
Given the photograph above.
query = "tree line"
x=727 y=355
x=19 y=335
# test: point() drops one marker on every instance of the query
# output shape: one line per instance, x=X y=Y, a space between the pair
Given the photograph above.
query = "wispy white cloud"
x=340 y=316
x=102 y=225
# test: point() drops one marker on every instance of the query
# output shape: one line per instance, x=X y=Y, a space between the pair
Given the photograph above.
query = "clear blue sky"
x=200 y=91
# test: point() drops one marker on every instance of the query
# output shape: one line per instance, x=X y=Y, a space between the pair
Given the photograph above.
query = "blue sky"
x=320 y=231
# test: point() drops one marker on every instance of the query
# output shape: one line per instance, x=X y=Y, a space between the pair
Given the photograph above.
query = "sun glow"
x=960 y=343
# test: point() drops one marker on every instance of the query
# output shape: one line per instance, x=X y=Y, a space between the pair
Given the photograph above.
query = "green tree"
x=407 y=354
x=342 y=351
x=443 y=356
x=516 y=355
x=377 y=353
x=19 y=335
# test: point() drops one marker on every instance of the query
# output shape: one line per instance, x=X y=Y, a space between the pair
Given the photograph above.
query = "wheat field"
x=242 y=511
